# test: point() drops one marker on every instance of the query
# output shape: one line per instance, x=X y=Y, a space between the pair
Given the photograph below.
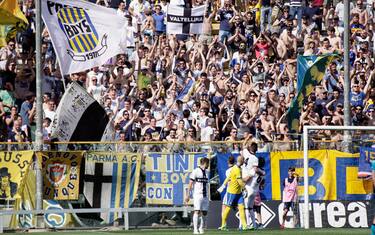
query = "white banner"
x=182 y=20
x=83 y=34
x=73 y=104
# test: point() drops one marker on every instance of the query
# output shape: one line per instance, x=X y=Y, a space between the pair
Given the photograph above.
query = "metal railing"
x=125 y=212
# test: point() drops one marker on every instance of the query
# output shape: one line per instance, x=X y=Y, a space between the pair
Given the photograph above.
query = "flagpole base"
x=40 y=222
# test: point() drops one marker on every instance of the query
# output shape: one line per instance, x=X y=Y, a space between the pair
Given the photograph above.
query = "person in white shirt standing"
x=253 y=177
x=199 y=180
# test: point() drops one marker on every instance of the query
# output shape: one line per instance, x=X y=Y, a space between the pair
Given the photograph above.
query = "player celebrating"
x=290 y=194
x=234 y=195
x=253 y=177
x=249 y=155
x=373 y=179
x=199 y=179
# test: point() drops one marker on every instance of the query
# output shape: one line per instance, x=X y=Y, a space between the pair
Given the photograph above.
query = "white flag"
x=83 y=34
x=79 y=117
x=182 y=20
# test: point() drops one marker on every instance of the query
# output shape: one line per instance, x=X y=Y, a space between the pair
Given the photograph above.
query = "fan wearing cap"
x=7 y=188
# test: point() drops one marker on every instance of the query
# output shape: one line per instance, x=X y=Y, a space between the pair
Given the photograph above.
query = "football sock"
x=225 y=216
x=195 y=221
x=241 y=209
x=247 y=213
x=252 y=216
x=203 y=222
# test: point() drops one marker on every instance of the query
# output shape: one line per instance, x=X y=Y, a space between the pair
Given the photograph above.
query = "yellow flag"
x=60 y=174
x=4 y=30
x=11 y=14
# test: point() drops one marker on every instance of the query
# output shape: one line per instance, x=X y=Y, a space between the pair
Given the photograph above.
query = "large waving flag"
x=83 y=34
x=79 y=117
x=12 y=20
x=310 y=72
x=111 y=180
x=11 y=14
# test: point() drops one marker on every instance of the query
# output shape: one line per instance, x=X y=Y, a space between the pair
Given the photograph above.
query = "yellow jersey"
x=234 y=186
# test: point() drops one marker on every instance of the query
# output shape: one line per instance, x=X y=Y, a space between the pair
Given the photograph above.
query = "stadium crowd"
x=243 y=66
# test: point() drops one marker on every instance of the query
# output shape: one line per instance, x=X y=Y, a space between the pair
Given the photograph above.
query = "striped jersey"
x=200 y=179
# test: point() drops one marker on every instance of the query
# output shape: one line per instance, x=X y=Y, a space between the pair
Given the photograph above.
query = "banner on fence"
x=167 y=176
x=323 y=214
x=60 y=172
x=332 y=174
x=13 y=168
x=366 y=156
x=111 y=180
x=27 y=202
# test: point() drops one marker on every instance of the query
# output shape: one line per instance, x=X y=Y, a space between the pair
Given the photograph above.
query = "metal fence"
x=6 y=206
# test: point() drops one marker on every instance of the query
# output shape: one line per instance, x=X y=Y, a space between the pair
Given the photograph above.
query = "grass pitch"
x=213 y=232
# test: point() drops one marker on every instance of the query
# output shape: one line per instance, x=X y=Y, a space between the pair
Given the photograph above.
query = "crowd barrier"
x=112 y=172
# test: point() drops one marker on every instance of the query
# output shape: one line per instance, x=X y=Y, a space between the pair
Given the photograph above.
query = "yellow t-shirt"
x=233 y=185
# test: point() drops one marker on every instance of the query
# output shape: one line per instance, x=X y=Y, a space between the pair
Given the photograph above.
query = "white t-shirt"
x=49 y=114
x=207 y=133
x=250 y=159
x=200 y=178
x=252 y=186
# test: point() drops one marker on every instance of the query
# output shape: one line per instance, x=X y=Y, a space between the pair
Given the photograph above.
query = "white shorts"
x=201 y=203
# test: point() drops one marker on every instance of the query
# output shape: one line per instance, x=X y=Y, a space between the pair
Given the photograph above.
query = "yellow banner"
x=13 y=168
x=27 y=202
x=332 y=174
x=60 y=172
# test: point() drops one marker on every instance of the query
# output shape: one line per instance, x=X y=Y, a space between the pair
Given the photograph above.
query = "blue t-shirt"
x=357 y=99
x=373 y=165
x=159 y=22
x=225 y=16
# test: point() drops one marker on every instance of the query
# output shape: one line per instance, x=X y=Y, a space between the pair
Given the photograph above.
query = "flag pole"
x=347 y=85
x=39 y=105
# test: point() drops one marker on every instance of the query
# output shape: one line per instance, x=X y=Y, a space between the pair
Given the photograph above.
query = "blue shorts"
x=373 y=165
x=233 y=199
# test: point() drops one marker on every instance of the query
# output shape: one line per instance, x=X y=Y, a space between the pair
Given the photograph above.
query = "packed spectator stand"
x=244 y=67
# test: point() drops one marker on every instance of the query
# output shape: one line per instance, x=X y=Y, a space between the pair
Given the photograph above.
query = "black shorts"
x=257 y=209
x=289 y=205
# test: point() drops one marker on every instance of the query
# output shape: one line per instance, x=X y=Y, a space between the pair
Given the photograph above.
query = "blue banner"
x=167 y=176
x=333 y=175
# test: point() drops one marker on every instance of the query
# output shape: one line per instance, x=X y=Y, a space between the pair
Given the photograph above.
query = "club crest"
x=56 y=173
x=81 y=34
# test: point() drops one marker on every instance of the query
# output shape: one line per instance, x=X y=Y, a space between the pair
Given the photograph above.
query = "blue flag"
x=185 y=94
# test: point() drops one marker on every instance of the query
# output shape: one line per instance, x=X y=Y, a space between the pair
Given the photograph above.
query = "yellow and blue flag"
x=27 y=201
x=111 y=180
x=168 y=176
x=186 y=92
x=310 y=72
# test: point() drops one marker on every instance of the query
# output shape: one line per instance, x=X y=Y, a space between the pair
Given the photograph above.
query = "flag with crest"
x=310 y=72
x=81 y=35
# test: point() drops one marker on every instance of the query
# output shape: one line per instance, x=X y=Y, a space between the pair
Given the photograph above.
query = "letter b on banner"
x=315 y=166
